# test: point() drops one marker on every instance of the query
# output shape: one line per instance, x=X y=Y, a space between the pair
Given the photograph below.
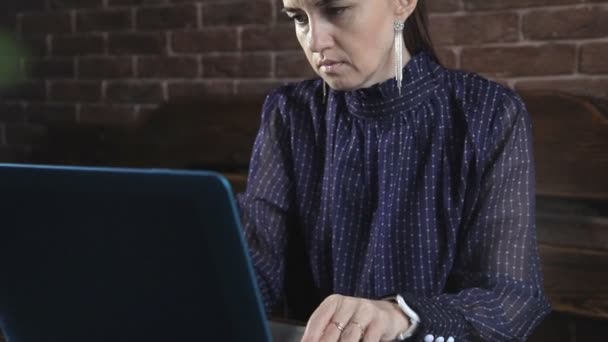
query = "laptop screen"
x=122 y=254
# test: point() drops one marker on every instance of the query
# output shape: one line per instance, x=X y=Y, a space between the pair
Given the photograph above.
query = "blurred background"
x=178 y=83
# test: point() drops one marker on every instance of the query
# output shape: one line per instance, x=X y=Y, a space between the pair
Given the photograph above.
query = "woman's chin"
x=339 y=85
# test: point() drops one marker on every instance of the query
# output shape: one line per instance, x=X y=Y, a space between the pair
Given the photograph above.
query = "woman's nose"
x=319 y=37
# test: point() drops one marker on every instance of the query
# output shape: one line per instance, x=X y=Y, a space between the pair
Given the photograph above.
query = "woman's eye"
x=299 y=19
x=335 y=11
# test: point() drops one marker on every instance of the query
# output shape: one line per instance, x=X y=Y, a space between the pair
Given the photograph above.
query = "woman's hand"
x=342 y=318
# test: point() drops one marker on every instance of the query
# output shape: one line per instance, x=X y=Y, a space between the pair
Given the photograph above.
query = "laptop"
x=115 y=254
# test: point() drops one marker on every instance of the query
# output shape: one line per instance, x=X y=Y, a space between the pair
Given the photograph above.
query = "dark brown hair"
x=416 y=33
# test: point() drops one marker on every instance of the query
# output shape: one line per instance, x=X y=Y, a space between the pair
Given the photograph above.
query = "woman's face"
x=349 y=43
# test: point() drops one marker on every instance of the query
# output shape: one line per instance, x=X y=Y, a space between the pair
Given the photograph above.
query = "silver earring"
x=398 y=26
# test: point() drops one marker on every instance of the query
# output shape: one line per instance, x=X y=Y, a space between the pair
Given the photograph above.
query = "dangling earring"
x=398 y=26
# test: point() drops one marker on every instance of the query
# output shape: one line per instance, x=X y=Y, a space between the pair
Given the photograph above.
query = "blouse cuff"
x=411 y=314
x=438 y=321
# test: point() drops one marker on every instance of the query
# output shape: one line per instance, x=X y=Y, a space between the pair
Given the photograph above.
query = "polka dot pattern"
x=429 y=195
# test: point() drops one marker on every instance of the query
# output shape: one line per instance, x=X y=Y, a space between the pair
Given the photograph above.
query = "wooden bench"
x=571 y=151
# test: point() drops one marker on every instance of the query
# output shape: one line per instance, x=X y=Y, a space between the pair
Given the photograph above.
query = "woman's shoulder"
x=477 y=95
x=472 y=88
x=299 y=94
x=291 y=102
x=487 y=107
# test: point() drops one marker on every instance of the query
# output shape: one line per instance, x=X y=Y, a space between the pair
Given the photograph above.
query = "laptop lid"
x=92 y=254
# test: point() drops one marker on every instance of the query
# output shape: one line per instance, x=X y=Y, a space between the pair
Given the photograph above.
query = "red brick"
x=167 y=17
x=106 y=114
x=35 y=45
x=24 y=134
x=10 y=69
x=134 y=92
x=23 y=5
x=269 y=38
x=31 y=90
x=107 y=20
x=62 y=4
x=474 y=29
x=75 y=91
x=167 y=67
x=12 y=112
x=444 y=5
x=206 y=40
x=237 y=66
x=136 y=2
x=46 y=22
x=105 y=67
x=474 y=5
x=8 y=22
x=585 y=87
x=552 y=59
x=447 y=57
x=293 y=64
x=137 y=43
x=78 y=45
x=241 y=12
x=200 y=89
x=594 y=58
x=571 y=23
x=11 y=46
x=51 y=113
x=50 y=68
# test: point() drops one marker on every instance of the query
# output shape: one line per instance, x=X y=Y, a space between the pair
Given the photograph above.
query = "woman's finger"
x=339 y=321
x=363 y=316
x=374 y=331
x=353 y=332
x=315 y=328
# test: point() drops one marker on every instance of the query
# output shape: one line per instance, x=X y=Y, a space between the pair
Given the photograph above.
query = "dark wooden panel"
x=212 y=133
x=560 y=327
x=238 y=181
x=207 y=133
x=572 y=222
x=576 y=280
x=570 y=142
x=582 y=232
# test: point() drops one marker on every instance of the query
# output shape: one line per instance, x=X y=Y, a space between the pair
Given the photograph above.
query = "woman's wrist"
x=411 y=317
x=402 y=321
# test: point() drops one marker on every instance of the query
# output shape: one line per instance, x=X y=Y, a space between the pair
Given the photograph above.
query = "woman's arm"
x=495 y=289
x=267 y=201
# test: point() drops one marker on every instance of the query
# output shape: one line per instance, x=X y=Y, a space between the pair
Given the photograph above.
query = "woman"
x=411 y=187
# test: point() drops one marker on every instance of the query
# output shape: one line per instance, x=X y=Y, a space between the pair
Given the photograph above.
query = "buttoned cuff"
x=411 y=314
x=439 y=322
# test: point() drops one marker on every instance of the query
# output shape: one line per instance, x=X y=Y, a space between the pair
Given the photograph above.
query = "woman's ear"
x=404 y=8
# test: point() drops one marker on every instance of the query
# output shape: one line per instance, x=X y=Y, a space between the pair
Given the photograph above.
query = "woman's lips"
x=330 y=67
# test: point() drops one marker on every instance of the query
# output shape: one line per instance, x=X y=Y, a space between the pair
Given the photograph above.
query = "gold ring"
x=339 y=326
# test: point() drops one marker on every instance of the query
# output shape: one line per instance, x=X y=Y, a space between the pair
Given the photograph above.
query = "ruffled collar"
x=420 y=76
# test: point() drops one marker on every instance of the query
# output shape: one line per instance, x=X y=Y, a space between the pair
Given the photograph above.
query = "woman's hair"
x=416 y=33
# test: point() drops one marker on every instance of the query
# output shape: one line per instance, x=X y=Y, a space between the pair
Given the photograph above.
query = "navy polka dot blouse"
x=429 y=195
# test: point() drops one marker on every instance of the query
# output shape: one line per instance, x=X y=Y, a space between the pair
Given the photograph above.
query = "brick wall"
x=109 y=62
x=528 y=44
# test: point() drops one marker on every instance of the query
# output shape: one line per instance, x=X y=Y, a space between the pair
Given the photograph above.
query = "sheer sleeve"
x=266 y=204
x=495 y=289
